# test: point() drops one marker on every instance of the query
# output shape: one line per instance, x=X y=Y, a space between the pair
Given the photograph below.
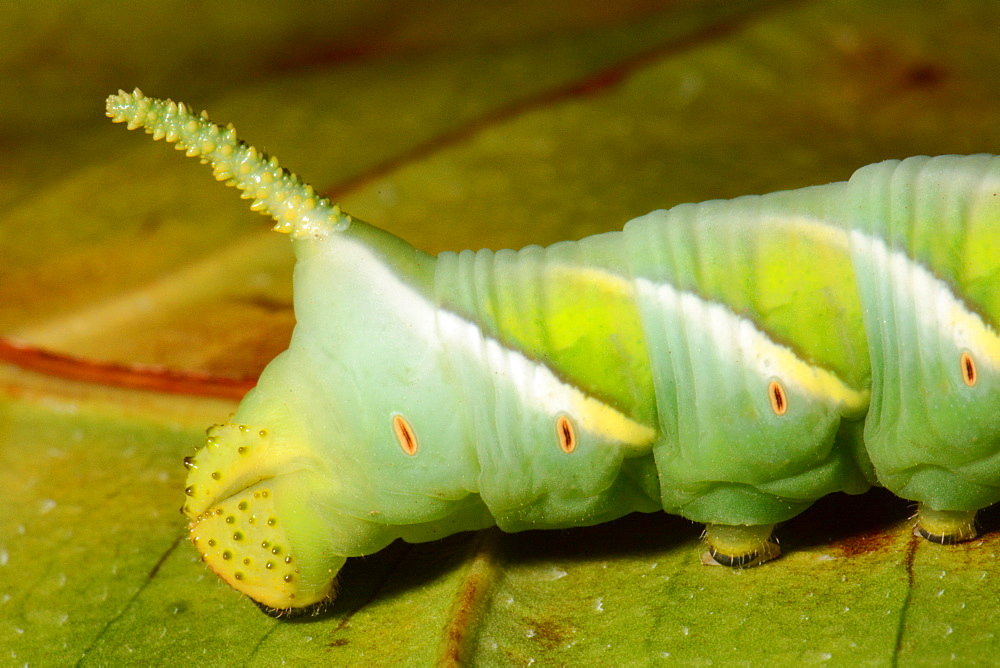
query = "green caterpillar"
x=731 y=362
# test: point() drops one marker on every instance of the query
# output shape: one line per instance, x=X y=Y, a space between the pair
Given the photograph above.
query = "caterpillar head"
x=251 y=500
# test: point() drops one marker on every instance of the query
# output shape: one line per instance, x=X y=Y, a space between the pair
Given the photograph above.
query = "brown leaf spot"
x=547 y=632
x=865 y=543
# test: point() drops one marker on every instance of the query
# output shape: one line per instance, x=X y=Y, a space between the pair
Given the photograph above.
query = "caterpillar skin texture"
x=731 y=362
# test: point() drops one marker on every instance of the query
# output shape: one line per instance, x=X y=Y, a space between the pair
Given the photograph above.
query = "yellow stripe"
x=772 y=358
x=541 y=387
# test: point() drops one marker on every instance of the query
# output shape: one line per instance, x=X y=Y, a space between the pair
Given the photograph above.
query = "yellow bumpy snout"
x=236 y=485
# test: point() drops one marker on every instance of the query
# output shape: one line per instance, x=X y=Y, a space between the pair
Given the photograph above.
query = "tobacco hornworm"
x=731 y=362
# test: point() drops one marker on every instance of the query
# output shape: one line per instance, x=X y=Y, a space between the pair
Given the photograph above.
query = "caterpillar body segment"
x=930 y=321
x=731 y=362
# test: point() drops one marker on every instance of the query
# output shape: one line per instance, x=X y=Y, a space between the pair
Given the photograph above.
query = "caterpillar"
x=729 y=361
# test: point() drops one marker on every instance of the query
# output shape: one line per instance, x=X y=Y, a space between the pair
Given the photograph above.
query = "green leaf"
x=453 y=125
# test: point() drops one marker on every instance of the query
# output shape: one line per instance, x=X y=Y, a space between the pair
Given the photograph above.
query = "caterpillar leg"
x=946 y=527
x=739 y=546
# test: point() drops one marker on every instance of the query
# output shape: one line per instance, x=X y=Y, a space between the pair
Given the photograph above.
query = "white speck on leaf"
x=61 y=407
